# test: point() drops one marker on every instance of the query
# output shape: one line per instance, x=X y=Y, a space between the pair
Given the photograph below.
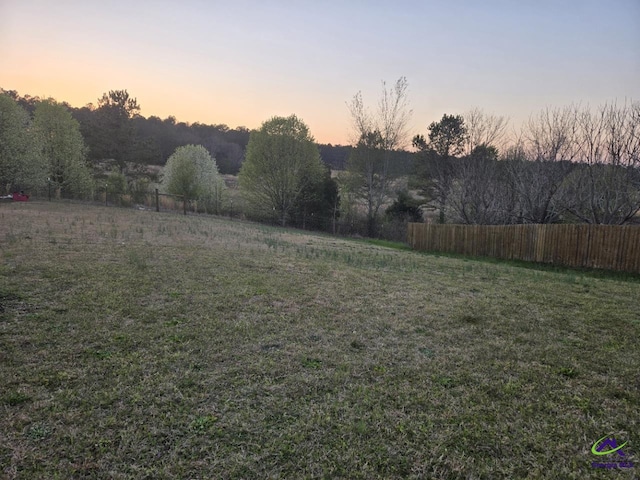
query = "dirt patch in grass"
x=145 y=345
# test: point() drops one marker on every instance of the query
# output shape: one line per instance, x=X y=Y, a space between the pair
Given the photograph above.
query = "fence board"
x=611 y=247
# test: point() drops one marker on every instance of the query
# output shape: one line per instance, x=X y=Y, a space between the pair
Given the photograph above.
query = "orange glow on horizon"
x=159 y=100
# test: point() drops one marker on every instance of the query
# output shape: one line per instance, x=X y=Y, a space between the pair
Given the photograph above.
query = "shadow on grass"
x=544 y=267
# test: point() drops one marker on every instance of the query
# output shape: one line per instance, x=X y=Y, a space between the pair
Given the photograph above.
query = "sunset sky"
x=242 y=62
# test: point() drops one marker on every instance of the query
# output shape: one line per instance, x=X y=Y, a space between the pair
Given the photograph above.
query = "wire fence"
x=141 y=200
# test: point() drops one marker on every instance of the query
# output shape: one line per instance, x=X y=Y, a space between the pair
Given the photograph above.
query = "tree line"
x=568 y=164
x=113 y=128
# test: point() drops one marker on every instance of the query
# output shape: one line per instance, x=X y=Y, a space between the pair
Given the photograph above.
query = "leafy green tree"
x=447 y=137
x=116 y=183
x=435 y=172
x=319 y=204
x=282 y=160
x=192 y=172
x=22 y=165
x=113 y=133
x=27 y=102
x=63 y=148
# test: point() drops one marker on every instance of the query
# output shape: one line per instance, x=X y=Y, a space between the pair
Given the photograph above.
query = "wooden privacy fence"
x=609 y=247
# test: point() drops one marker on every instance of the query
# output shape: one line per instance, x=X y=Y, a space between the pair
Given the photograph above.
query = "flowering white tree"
x=192 y=172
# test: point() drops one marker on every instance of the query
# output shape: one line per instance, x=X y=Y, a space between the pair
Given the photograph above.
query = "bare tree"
x=481 y=192
x=552 y=134
x=478 y=189
x=605 y=189
x=541 y=160
x=484 y=129
x=370 y=173
x=391 y=118
x=368 y=178
x=394 y=115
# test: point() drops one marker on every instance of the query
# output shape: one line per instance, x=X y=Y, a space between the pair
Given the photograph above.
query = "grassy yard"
x=145 y=345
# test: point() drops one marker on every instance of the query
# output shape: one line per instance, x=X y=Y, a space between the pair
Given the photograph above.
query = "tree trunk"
x=442 y=202
x=371 y=226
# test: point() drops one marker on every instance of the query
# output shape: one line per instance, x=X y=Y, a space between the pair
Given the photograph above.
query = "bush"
x=405 y=208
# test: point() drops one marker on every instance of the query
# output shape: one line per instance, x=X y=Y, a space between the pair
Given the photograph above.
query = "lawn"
x=136 y=344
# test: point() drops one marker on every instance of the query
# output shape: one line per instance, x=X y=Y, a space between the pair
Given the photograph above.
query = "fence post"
x=106 y=196
x=184 y=204
x=157 y=201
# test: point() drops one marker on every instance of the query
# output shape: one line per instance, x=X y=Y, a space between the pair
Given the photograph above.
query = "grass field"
x=145 y=345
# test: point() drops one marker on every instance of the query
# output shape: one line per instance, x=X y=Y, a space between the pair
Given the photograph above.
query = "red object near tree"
x=20 y=197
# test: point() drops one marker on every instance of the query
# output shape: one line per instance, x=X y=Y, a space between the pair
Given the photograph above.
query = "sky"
x=241 y=62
